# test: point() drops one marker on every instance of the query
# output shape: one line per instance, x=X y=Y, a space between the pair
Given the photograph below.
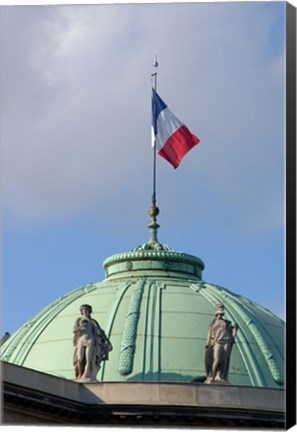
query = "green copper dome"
x=155 y=308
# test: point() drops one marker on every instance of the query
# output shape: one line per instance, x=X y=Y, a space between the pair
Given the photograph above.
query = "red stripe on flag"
x=177 y=145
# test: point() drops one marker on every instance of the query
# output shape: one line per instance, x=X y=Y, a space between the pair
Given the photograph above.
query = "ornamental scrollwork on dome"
x=153 y=246
x=129 y=265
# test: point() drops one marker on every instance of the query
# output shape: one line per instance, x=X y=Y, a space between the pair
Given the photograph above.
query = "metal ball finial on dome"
x=153 y=225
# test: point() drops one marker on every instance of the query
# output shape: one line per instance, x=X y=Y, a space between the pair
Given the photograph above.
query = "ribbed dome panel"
x=158 y=329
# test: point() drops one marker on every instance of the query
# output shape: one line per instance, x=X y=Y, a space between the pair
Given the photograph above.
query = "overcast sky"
x=76 y=151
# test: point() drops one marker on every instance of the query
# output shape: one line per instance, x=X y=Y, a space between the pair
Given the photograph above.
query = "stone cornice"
x=55 y=400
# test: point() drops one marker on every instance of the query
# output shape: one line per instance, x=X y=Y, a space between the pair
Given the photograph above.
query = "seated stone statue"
x=91 y=346
x=220 y=339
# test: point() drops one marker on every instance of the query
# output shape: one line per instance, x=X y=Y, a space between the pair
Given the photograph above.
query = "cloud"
x=76 y=110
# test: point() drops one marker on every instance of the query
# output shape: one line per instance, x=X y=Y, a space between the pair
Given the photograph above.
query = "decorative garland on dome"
x=128 y=344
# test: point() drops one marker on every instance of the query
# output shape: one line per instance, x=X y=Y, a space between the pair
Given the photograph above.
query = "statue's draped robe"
x=96 y=342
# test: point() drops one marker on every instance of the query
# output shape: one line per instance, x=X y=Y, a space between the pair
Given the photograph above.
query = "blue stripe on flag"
x=158 y=105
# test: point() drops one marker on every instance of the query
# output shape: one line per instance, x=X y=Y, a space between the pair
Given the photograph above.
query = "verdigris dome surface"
x=155 y=309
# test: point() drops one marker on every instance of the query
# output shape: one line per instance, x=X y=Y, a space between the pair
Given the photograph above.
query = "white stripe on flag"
x=167 y=124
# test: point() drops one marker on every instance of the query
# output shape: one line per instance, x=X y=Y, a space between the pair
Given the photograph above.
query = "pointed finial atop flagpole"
x=154 y=211
x=156 y=64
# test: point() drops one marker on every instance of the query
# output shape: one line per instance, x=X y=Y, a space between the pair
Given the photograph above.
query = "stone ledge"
x=147 y=393
x=32 y=397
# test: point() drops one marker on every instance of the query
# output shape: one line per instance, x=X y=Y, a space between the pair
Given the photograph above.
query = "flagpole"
x=154 y=211
x=154 y=198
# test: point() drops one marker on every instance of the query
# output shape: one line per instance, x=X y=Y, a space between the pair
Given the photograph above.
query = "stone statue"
x=91 y=346
x=220 y=339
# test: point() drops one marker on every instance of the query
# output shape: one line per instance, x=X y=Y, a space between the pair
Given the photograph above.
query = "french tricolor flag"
x=171 y=137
